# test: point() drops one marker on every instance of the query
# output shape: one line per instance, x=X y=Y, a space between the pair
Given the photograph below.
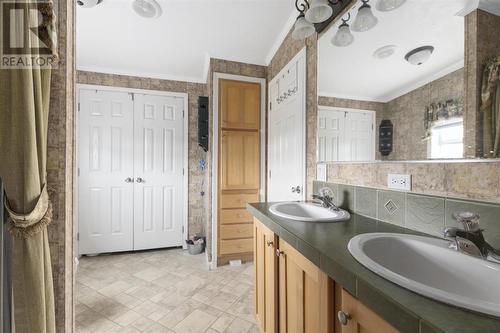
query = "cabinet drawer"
x=237 y=200
x=235 y=246
x=232 y=231
x=228 y=216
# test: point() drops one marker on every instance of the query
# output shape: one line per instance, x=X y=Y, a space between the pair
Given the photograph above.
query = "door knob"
x=279 y=252
x=140 y=180
x=269 y=243
x=344 y=317
x=129 y=180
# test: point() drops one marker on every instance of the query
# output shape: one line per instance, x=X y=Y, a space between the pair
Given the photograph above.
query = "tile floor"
x=162 y=291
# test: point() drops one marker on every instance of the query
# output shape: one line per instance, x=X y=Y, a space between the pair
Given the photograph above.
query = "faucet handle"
x=469 y=220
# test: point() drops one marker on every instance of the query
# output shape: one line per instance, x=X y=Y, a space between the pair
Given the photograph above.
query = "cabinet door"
x=305 y=294
x=266 y=278
x=239 y=104
x=362 y=319
x=239 y=160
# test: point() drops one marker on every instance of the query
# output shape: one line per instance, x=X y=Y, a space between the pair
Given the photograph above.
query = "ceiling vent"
x=147 y=8
x=419 y=55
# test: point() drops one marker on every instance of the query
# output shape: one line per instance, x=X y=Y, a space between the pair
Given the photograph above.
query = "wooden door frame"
x=185 y=143
x=300 y=56
x=215 y=150
x=374 y=123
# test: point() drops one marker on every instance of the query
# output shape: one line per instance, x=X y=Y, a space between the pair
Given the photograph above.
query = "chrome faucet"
x=469 y=239
x=325 y=201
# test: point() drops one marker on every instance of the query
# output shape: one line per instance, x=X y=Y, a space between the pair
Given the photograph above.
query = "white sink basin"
x=308 y=212
x=427 y=266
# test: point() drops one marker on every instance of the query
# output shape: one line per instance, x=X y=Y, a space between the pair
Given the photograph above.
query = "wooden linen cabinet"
x=239 y=167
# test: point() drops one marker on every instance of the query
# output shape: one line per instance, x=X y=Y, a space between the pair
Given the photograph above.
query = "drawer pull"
x=344 y=317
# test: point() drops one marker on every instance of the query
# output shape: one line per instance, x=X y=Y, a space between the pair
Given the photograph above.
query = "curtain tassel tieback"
x=27 y=225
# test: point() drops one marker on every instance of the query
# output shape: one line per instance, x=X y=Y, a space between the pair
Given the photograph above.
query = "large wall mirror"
x=391 y=82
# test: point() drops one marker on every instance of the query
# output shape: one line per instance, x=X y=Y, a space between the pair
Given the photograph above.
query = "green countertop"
x=325 y=244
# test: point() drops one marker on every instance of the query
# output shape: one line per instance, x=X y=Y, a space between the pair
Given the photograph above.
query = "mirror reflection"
x=391 y=82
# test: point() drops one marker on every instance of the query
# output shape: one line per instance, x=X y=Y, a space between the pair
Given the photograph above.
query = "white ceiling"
x=111 y=38
x=352 y=72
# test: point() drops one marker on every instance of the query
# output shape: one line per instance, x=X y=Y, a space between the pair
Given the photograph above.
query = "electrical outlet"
x=399 y=182
x=321 y=172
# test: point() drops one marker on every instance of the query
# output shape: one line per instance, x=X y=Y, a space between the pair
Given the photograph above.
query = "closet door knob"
x=344 y=317
x=279 y=253
x=269 y=243
x=140 y=180
x=129 y=180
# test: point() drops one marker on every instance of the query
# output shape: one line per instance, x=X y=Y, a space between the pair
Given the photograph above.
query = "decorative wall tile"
x=425 y=214
x=391 y=207
x=346 y=197
x=366 y=201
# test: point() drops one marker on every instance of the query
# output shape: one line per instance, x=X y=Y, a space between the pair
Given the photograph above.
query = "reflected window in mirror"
x=446 y=140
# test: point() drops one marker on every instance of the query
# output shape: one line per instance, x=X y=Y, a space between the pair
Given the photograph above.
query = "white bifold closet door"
x=131 y=154
x=158 y=162
x=106 y=170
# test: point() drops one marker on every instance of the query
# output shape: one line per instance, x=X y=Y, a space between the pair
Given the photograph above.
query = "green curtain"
x=490 y=107
x=24 y=111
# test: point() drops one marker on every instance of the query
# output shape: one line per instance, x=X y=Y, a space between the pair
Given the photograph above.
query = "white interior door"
x=159 y=155
x=345 y=134
x=330 y=144
x=359 y=138
x=105 y=189
x=287 y=133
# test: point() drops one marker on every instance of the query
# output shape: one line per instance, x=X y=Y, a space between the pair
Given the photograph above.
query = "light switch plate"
x=321 y=169
x=399 y=182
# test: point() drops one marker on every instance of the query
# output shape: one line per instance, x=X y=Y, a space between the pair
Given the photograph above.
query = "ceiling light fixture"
x=419 y=55
x=388 y=5
x=310 y=12
x=302 y=28
x=88 y=3
x=319 y=11
x=343 y=37
x=365 y=20
x=147 y=8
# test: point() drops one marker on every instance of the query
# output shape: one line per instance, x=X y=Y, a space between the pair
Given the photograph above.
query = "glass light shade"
x=343 y=37
x=420 y=55
x=303 y=28
x=388 y=5
x=319 y=11
x=365 y=20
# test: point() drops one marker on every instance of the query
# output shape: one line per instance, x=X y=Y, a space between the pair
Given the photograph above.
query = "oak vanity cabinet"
x=354 y=317
x=266 y=278
x=292 y=295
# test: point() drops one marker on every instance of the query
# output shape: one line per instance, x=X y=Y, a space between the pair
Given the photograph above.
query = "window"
x=447 y=139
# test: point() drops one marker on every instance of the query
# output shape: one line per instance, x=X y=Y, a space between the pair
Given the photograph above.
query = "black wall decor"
x=203 y=122
x=385 y=134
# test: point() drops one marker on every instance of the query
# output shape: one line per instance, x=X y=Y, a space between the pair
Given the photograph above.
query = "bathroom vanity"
x=307 y=281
